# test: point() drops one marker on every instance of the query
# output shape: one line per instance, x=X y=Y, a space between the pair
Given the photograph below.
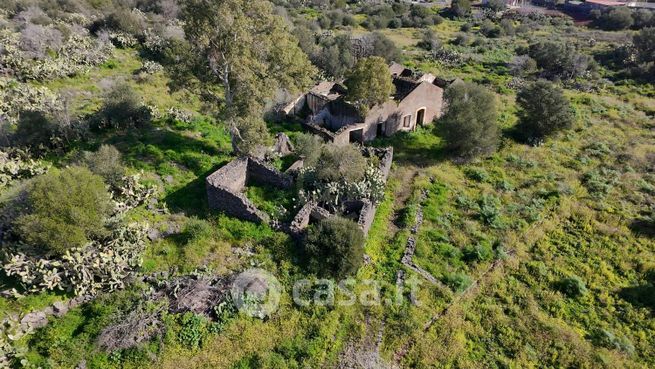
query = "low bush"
x=335 y=246
x=107 y=163
x=458 y=282
x=65 y=209
x=122 y=108
x=599 y=182
x=572 y=286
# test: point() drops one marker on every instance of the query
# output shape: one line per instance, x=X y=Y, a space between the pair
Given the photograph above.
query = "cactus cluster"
x=76 y=55
x=370 y=187
x=99 y=266
x=17 y=164
x=130 y=194
x=16 y=97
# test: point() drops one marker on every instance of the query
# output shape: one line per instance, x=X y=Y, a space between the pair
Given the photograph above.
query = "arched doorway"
x=420 y=117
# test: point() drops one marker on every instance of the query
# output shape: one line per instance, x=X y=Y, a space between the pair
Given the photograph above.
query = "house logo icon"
x=256 y=292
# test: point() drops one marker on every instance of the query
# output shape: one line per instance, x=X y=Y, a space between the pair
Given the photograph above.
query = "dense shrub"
x=340 y=163
x=122 y=108
x=478 y=253
x=460 y=8
x=34 y=130
x=560 y=60
x=643 y=18
x=490 y=29
x=572 y=286
x=543 y=111
x=496 y=5
x=599 y=182
x=65 y=210
x=644 y=42
x=107 y=163
x=335 y=247
x=607 y=339
x=469 y=123
x=309 y=147
x=522 y=66
x=458 y=282
x=429 y=40
x=616 y=19
x=334 y=55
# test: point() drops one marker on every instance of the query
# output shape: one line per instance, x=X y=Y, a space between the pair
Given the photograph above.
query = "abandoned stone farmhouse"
x=417 y=101
x=226 y=187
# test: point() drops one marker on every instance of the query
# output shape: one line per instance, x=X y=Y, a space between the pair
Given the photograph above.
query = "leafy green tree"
x=369 y=83
x=559 y=59
x=617 y=19
x=644 y=42
x=469 y=123
x=64 y=210
x=460 y=8
x=340 y=163
x=544 y=110
x=240 y=55
x=335 y=247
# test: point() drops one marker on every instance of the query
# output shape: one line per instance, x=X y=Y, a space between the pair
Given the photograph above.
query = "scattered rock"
x=34 y=320
x=60 y=308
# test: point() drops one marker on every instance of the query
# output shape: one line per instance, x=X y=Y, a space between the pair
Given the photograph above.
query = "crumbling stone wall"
x=264 y=174
x=225 y=187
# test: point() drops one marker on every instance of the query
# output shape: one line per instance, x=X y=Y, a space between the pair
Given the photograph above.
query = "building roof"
x=397 y=69
x=606 y=2
x=330 y=90
x=404 y=87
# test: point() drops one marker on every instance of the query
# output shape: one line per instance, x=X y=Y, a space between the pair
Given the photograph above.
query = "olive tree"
x=469 y=123
x=543 y=110
x=240 y=55
x=335 y=246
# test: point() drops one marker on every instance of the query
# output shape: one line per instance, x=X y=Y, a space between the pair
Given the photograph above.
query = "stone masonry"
x=225 y=187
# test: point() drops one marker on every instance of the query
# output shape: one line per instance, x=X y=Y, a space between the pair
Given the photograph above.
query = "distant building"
x=418 y=100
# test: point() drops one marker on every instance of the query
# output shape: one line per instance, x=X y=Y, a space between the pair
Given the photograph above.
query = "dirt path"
x=406 y=176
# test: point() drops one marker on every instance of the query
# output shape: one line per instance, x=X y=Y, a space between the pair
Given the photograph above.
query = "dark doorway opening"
x=357 y=135
x=420 y=117
x=380 y=130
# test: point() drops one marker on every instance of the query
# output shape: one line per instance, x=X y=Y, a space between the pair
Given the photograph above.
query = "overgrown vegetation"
x=536 y=255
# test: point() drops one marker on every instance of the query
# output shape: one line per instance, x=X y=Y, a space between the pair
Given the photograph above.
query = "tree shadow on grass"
x=645 y=227
x=191 y=198
x=641 y=296
x=423 y=147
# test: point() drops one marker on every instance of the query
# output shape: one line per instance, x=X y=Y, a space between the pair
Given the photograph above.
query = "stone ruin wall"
x=225 y=187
